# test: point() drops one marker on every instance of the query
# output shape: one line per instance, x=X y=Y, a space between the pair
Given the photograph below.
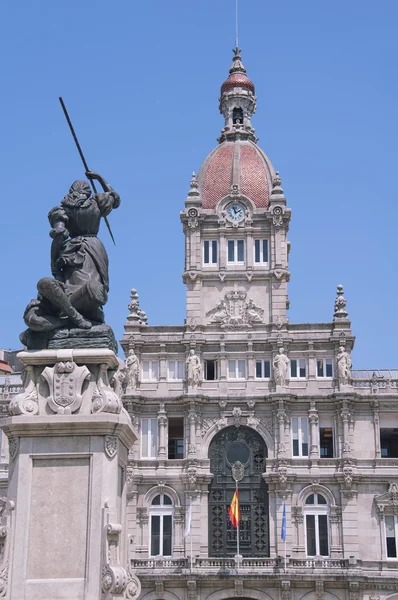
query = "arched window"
x=316 y=525
x=237 y=116
x=161 y=526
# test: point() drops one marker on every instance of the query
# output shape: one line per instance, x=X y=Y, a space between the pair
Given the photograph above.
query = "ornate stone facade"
x=237 y=390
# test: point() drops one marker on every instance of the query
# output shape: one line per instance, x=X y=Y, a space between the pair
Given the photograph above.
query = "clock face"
x=236 y=213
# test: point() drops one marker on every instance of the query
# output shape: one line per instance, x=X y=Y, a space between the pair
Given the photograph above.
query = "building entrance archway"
x=247 y=446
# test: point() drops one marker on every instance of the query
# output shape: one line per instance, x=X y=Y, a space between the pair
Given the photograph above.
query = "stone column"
x=346 y=416
x=69 y=442
x=281 y=416
x=314 y=430
x=192 y=432
x=376 y=425
x=162 y=422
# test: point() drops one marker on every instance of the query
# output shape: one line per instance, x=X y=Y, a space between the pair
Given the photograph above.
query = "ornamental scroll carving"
x=236 y=311
x=26 y=403
x=115 y=580
x=105 y=400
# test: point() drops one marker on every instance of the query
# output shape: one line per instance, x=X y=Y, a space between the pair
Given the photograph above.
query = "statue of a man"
x=133 y=370
x=79 y=263
x=281 y=367
x=344 y=364
x=194 y=375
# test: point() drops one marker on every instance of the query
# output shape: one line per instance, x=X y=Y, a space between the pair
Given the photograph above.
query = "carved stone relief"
x=235 y=311
x=65 y=381
x=26 y=403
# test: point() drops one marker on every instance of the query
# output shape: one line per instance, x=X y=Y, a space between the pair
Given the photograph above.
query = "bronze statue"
x=79 y=263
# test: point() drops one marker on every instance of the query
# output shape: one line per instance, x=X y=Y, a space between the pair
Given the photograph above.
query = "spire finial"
x=340 y=303
x=236 y=25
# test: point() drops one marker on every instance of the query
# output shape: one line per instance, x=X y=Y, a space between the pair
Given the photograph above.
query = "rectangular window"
x=211 y=370
x=260 y=251
x=300 y=436
x=263 y=369
x=210 y=252
x=150 y=370
x=298 y=368
x=324 y=367
x=391 y=543
x=161 y=535
x=326 y=442
x=176 y=438
x=311 y=543
x=317 y=535
x=389 y=442
x=323 y=535
x=176 y=370
x=149 y=438
x=236 y=369
x=236 y=251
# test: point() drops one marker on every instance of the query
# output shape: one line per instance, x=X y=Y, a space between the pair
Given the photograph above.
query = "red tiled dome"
x=237 y=79
x=241 y=162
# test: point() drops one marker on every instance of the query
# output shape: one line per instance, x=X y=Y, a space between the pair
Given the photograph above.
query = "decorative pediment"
x=388 y=502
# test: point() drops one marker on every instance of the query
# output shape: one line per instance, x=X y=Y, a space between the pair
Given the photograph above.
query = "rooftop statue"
x=68 y=309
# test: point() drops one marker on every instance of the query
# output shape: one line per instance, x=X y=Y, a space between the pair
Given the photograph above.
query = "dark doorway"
x=247 y=446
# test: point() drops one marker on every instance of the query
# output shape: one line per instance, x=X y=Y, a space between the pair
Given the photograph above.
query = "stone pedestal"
x=69 y=439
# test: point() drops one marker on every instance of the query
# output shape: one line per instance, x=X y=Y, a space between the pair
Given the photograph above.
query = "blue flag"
x=283 y=530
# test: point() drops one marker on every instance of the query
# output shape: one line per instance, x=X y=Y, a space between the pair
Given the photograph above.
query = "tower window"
x=237 y=116
x=389 y=442
x=317 y=526
x=210 y=253
x=263 y=369
x=176 y=370
x=298 y=368
x=324 y=367
x=236 y=251
x=150 y=370
x=236 y=369
x=176 y=438
x=161 y=526
x=211 y=370
x=391 y=535
x=149 y=438
x=326 y=442
x=300 y=436
x=260 y=251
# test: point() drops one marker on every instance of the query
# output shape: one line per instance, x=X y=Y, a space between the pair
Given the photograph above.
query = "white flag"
x=188 y=520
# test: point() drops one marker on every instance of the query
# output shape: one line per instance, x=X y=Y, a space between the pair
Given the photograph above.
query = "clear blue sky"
x=141 y=81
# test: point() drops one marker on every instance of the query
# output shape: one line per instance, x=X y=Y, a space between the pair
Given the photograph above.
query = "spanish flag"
x=234 y=510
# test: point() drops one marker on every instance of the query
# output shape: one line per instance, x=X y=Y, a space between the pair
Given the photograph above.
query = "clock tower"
x=236 y=222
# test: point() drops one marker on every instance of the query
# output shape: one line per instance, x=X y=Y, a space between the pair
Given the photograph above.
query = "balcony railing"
x=228 y=564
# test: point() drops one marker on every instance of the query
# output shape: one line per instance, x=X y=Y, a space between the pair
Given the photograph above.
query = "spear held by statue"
x=87 y=170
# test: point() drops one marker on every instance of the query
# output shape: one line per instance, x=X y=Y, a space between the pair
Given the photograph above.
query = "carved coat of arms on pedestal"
x=65 y=382
x=236 y=311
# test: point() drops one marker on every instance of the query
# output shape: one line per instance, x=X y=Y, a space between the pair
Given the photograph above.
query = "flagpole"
x=191 y=548
x=285 y=556
x=237 y=528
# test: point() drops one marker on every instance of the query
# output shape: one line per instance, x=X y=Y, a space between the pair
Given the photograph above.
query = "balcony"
x=228 y=566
